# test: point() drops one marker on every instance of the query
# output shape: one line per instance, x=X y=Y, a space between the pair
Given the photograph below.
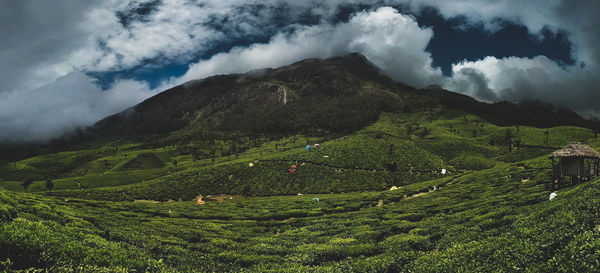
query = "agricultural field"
x=372 y=201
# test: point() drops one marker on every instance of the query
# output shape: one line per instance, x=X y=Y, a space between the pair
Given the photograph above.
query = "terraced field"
x=132 y=207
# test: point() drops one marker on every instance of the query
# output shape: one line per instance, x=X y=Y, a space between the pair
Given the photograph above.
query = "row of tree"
x=25 y=183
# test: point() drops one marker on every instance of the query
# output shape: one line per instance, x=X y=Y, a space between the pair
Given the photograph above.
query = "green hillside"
x=490 y=213
x=477 y=221
x=402 y=180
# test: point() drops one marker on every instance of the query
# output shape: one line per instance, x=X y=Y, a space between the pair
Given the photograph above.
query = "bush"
x=7 y=213
x=406 y=242
x=472 y=162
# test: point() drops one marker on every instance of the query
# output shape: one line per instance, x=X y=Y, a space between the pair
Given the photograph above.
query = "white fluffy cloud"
x=389 y=39
x=392 y=41
x=44 y=40
x=174 y=31
x=48 y=39
x=578 y=18
x=70 y=102
x=517 y=79
x=396 y=44
x=47 y=44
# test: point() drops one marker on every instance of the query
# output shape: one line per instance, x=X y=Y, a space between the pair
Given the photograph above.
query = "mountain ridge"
x=339 y=95
x=167 y=110
x=229 y=97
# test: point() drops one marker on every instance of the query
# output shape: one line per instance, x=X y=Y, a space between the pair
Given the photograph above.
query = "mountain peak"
x=251 y=92
x=357 y=59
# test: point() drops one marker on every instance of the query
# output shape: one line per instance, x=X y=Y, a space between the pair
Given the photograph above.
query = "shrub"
x=472 y=162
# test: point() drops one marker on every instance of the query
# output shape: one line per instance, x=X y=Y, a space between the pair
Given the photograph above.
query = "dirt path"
x=146 y=201
x=418 y=194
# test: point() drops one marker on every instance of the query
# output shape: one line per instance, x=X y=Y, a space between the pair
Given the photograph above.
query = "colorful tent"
x=308 y=147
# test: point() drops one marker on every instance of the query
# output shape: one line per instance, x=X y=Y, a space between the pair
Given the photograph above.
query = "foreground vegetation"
x=126 y=206
x=483 y=221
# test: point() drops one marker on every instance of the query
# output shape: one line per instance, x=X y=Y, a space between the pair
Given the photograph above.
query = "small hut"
x=576 y=161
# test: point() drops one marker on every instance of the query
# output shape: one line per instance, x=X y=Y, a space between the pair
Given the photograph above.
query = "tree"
x=26 y=183
x=49 y=185
x=508 y=139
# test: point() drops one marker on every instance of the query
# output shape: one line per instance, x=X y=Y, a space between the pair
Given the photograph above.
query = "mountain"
x=296 y=90
x=529 y=112
x=330 y=97
x=341 y=95
x=223 y=174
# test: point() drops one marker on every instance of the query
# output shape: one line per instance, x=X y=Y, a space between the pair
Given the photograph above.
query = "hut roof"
x=576 y=149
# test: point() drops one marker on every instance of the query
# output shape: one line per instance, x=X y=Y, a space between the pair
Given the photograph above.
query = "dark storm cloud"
x=36 y=35
x=475 y=81
x=137 y=12
x=583 y=20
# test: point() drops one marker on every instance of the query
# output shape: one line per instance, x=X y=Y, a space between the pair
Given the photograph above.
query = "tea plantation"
x=127 y=206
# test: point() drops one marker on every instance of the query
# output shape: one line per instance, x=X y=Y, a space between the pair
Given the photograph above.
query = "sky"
x=65 y=64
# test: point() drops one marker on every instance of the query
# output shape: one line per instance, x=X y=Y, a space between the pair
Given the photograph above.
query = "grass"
x=424 y=234
x=491 y=213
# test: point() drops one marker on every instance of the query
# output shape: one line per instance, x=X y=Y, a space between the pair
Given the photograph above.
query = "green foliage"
x=26 y=183
x=468 y=222
x=143 y=161
x=49 y=185
x=472 y=162
x=337 y=114
x=490 y=213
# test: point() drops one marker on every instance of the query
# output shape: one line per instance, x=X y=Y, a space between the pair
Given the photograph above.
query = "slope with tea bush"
x=470 y=223
x=489 y=212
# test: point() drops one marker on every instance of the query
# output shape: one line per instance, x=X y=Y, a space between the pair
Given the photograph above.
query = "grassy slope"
x=423 y=143
x=492 y=216
x=484 y=221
